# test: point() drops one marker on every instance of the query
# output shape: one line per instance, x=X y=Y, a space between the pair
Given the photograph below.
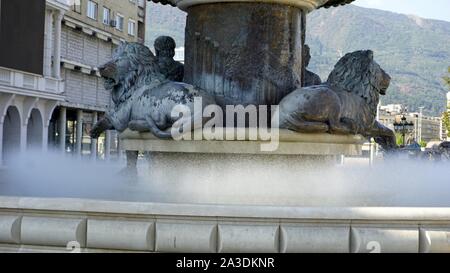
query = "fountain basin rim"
x=307 y=5
x=90 y=206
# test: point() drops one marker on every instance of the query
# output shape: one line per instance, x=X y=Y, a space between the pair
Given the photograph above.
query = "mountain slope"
x=414 y=51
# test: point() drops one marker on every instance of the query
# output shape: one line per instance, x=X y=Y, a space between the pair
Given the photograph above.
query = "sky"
x=433 y=9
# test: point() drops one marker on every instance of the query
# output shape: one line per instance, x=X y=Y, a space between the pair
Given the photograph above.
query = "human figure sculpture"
x=345 y=104
x=311 y=78
x=165 y=53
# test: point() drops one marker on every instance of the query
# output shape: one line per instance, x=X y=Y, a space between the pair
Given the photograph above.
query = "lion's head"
x=132 y=65
x=359 y=74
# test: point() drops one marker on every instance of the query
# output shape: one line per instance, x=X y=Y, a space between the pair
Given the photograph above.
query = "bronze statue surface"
x=311 y=78
x=165 y=52
x=143 y=99
x=346 y=104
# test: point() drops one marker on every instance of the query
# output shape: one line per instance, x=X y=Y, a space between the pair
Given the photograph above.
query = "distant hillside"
x=415 y=51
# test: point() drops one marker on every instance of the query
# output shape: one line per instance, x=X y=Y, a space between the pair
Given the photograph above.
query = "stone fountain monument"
x=252 y=55
x=247 y=53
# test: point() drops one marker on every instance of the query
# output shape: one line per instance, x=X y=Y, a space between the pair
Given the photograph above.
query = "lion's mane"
x=359 y=74
x=144 y=71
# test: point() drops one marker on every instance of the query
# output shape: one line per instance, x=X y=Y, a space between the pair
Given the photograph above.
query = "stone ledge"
x=119 y=226
x=284 y=136
x=240 y=235
x=117 y=208
x=290 y=143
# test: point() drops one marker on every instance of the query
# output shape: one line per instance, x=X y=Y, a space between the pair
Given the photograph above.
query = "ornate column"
x=108 y=145
x=1 y=143
x=5 y=101
x=50 y=107
x=62 y=128
x=23 y=136
x=58 y=16
x=79 y=140
x=45 y=137
x=48 y=43
x=94 y=141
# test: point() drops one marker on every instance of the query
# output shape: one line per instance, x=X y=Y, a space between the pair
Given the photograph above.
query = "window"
x=92 y=10
x=106 y=16
x=132 y=27
x=119 y=19
x=76 y=6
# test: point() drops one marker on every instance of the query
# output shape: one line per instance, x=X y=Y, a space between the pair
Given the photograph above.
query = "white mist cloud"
x=233 y=179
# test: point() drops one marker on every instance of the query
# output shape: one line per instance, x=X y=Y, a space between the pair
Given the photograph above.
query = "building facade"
x=448 y=101
x=55 y=107
x=90 y=31
x=445 y=132
x=426 y=128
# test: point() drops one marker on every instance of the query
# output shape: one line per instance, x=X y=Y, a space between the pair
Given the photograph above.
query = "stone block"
x=384 y=239
x=10 y=229
x=248 y=238
x=181 y=237
x=434 y=240
x=121 y=235
x=314 y=239
x=48 y=231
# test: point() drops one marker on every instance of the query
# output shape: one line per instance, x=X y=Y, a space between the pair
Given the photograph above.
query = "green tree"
x=446 y=121
x=423 y=144
x=447 y=78
x=399 y=138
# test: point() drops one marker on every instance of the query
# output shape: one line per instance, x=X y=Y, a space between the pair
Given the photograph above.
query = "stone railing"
x=17 y=79
x=62 y=3
x=33 y=224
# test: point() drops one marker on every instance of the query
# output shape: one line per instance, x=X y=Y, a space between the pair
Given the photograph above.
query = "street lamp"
x=404 y=127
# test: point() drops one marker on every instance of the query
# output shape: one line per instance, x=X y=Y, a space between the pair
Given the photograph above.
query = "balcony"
x=61 y=4
x=141 y=13
x=13 y=79
x=141 y=3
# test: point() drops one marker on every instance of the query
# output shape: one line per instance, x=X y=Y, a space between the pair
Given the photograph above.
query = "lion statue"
x=143 y=98
x=346 y=104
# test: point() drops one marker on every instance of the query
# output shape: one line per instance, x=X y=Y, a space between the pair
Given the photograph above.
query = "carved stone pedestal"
x=289 y=143
x=296 y=150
